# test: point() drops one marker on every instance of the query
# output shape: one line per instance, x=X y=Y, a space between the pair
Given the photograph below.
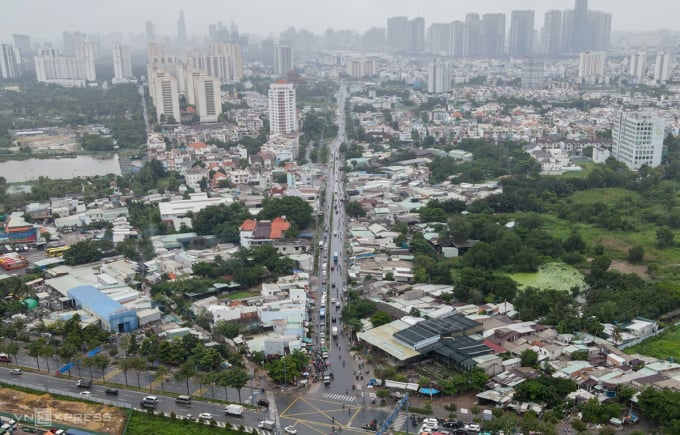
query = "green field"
x=663 y=346
x=144 y=424
x=557 y=276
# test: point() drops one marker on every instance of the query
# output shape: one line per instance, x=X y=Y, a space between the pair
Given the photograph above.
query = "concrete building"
x=416 y=35
x=223 y=60
x=181 y=30
x=360 y=67
x=663 y=67
x=533 y=76
x=591 y=66
x=52 y=67
x=122 y=64
x=84 y=54
x=579 y=36
x=205 y=95
x=282 y=111
x=551 y=33
x=256 y=233
x=492 y=35
x=397 y=33
x=457 y=37
x=111 y=315
x=173 y=212
x=439 y=38
x=283 y=59
x=638 y=66
x=10 y=62
x=150 y=32
x=23 y=43
x=637 y=139
x=164 y=91
x=439 y=77
x=471 y=32
x=521 y=33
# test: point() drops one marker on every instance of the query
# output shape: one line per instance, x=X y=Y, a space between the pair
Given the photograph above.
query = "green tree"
x=636 y=254
x=529 y=358
x=293 y=208
x=354 y=209
x=237 y=379
x=186 y=371
x=664 y=238
x=380 y=318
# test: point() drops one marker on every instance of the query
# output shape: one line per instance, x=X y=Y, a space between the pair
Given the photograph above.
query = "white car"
x=322 y=341
x=85 y=394
x=205 y=416
x=291 y=430
x=15 y=372
x=473 y=427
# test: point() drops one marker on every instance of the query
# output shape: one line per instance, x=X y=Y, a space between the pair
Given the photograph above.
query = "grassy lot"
x=144 y=424
x=239 y=295
x=663 y=346
x=558 y=276
x=607 y=196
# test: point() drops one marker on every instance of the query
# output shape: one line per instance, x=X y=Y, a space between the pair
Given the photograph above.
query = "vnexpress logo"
x=42 y=417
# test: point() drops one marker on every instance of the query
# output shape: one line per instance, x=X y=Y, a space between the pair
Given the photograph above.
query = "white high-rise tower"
x=122 y=63
x=662 y=67
x=439 y=78
x=282 y=113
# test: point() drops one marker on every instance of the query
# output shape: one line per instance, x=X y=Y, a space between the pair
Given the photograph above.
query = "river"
x=18 y=171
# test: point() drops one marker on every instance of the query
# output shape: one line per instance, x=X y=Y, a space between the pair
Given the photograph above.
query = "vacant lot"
x=663 y=346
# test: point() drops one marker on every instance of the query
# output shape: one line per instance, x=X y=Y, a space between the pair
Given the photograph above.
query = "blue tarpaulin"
x=428 y=391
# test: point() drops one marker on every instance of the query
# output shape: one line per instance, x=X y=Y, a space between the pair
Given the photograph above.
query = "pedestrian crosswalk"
x=339 y=397
x=399 y=421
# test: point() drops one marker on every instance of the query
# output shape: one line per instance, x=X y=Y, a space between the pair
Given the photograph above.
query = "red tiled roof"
x=496 y=348
x=248 y=225
x=279 y=225
x=197 y=145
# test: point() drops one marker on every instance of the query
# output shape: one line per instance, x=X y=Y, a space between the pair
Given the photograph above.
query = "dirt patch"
x=625 y=267
x=616 y=245
x=88 y=416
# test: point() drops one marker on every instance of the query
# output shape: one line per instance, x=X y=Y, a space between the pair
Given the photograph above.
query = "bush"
x=579 y=426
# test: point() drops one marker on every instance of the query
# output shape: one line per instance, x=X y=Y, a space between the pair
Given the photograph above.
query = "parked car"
x=263 y=402
x=290 y=430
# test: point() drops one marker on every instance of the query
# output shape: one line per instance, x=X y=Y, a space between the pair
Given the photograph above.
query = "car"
x=333 y=285
x=473 y=427
x=290 y=429
x=263 y=402
x=332 y=300
x=83 y=383
x=205 y=416
x=111 y=391
x=322 y=341
x=15 y=372
x=85 y=394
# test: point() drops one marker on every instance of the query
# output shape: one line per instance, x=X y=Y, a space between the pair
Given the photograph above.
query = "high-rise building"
x=122 y=63
x=397 y=33
x=373 y=39
x=492 y=35
x=551 y=35
x=662 y=67
x=637 y=139
x=71 y=39
x=360 y=67
x=599 y=30
x=10 y=65
x=439 y=77
x=267 y=52
x=580 y=34
x=566 y=39
x=181 y=30
x=23 y=43
x=471 y=35
x=283 y=59
x=533 y=76
x=52 y=67
x=282 y=112
x=591 y=66
x=84 y=54
x=439 y=38
x=456 y=46
x=164 y=91
x=638 y=66
x=205 y=95
x=521 y=33
x=416 y=35
x=150 y=29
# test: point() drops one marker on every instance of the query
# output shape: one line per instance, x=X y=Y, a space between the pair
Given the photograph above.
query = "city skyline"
x=264 y=18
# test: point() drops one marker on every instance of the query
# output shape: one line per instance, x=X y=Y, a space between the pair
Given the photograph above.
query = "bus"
x=57 y=252
x=322 y=312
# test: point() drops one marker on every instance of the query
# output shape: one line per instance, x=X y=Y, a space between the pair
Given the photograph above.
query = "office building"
x=532 y=73
x=600 y=29
x=662 y=67
x=416 y=35
x=397 y=33
x=181 y=30
x=150 y=29
x=580 y=34
x=471 y=35
x=638 y=66
x=439 y=38
x=551 y=35
x=492 y=35
x=566 y=41
x=283 y=59
x=23 y=44
x=122 y=64
x=439 y=77
x=637 y=139
x=521 y=33
x=591 y=66
x=10 y=62
x=282 y=111
x=164 y=91
x=456 y=46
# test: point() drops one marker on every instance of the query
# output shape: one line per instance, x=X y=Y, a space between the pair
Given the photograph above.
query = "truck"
x=327 y=378
x=267 y=425
x=322 y=312
x=334 y=331
x=335 y=257
x=235 y=410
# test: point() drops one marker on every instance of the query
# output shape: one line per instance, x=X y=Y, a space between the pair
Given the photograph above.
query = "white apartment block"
x=208 y=98
x=164 y=91
x=10 y=62
x=638 y=66
x=663 y=67
x=223 y=60
x=637 y=139
x=282 y=112
x=591 y=66
x=439 y=77
x=52 y=67
x=283 y=59
x=122 y=63
x=360 y=67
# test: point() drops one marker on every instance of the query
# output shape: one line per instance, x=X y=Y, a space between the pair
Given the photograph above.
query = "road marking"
x=399 y=421
x=331 y=396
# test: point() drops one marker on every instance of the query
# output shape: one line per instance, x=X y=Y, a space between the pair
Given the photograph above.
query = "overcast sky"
x=45 y=19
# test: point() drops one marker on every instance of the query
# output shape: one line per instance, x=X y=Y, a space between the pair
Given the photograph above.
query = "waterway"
x=19 y=171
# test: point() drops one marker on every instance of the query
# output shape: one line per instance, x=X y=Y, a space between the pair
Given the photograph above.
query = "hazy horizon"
x=268 y=17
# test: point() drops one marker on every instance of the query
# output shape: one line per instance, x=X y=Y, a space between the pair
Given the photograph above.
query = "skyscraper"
x=23 y=43
x=492 y=35
x=397 y=33
x=52 y=67
x=566 y=39
x=267 y=52
x=181 y=30
x=600 y=29
x=122 y=63
x=84 y=54
x=532 y=73
x=164 y=92
x=416 y=35
x=456 y=46
x=551 y=35
x=471 y=35
x=580 y=35
x=662 y=67
x=637 y=139
x=282 y=113
x=439 y=38
x=439 y=77
x=150 y=32
x=521 y=33
x=638 y=66
x=591 y=66
x=283 y=59
x=10 y=67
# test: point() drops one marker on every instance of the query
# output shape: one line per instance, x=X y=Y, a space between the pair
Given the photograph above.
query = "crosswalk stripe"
x=399 y=421
x=342 y=397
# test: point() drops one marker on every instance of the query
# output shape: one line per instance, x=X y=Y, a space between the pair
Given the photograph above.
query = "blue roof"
x=95 y=300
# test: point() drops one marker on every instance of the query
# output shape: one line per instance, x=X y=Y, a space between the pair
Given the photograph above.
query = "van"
x=149 y=402
x=183 y=399
x=83 y=383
